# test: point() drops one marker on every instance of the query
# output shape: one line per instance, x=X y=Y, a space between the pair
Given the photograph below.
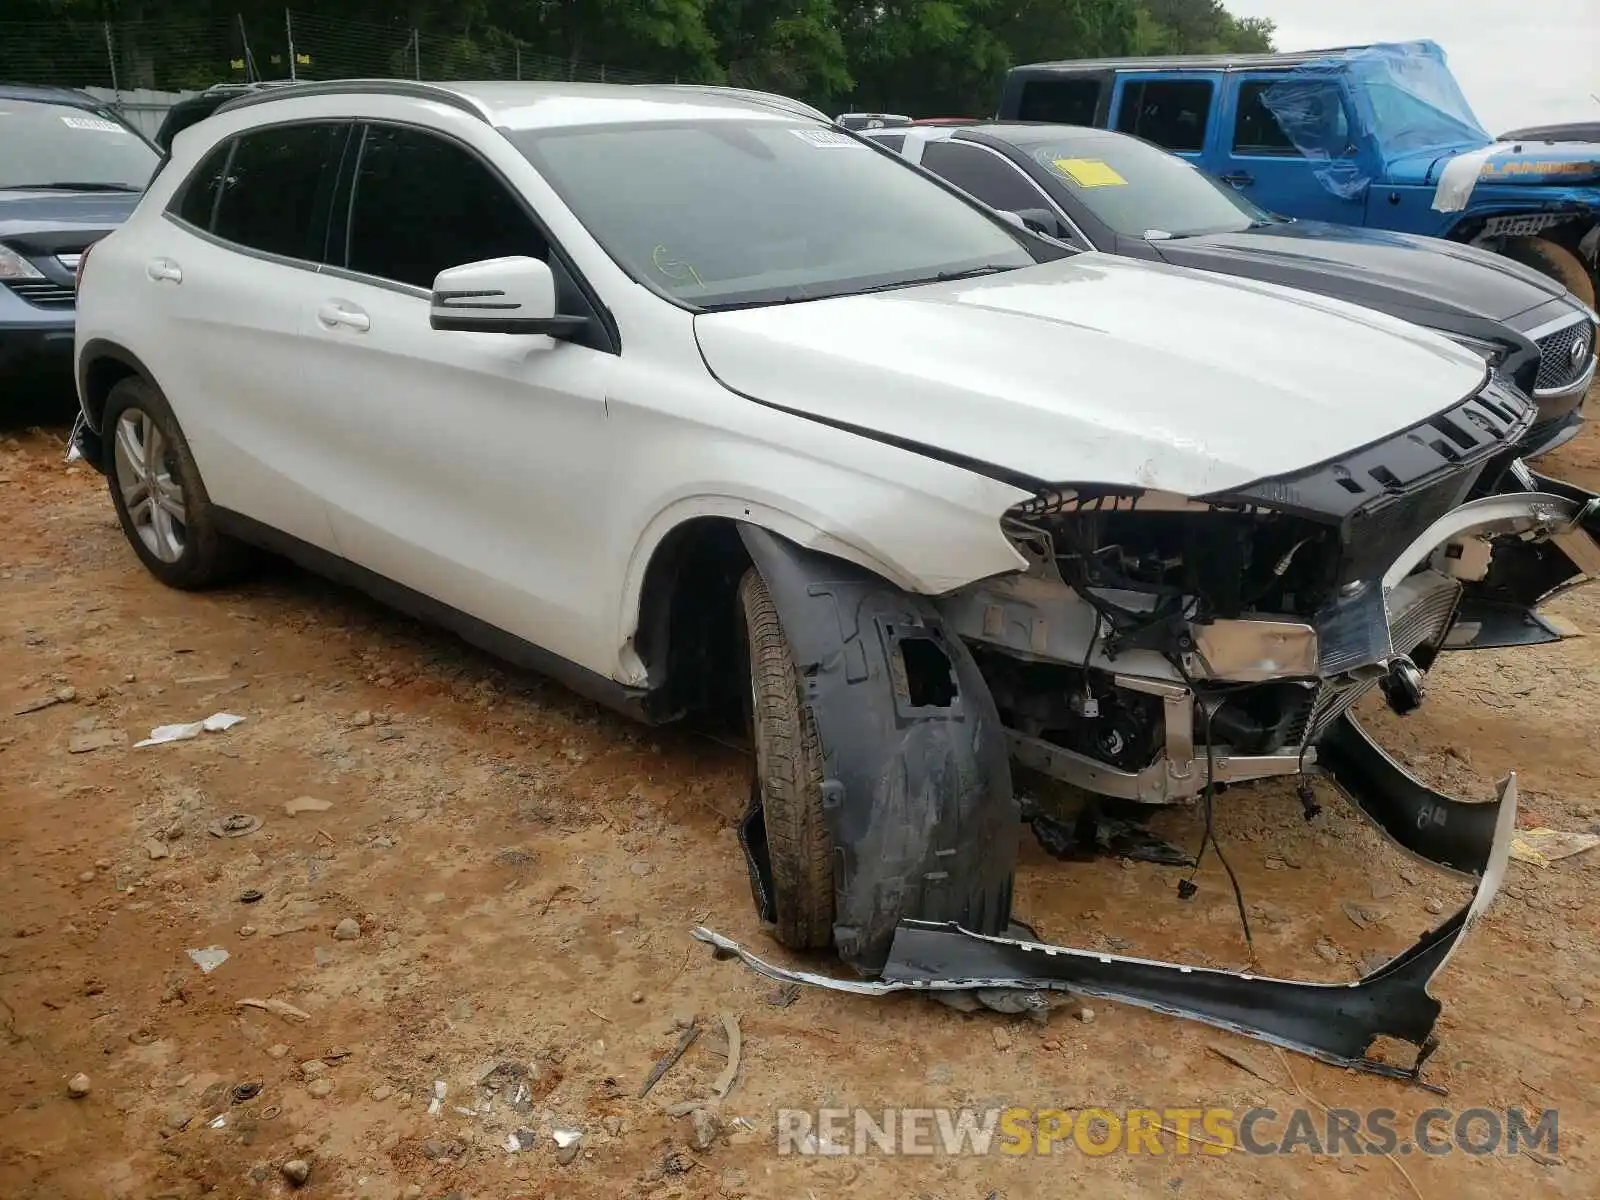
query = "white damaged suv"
x=693 y=400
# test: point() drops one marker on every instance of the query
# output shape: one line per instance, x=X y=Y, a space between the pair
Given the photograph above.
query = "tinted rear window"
x=278 y=188
x=1059 y=101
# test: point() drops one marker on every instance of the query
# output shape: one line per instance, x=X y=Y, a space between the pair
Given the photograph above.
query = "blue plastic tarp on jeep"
x=1404 y=100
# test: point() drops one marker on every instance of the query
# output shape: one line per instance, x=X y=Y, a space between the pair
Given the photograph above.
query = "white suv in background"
x=691 y=399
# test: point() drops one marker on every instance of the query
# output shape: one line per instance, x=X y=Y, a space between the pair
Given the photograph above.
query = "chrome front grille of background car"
x=42 y=293
x=1557 y=364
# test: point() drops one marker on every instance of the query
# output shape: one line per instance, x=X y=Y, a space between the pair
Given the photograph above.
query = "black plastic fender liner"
x=916 y=777
x=1335 y=1022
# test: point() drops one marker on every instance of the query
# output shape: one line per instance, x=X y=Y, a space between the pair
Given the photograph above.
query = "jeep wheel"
x=1555 y=260
x=788 y=777
x=156 y=489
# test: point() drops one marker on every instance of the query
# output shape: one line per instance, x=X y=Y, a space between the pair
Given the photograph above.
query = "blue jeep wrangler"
x=1369 y=135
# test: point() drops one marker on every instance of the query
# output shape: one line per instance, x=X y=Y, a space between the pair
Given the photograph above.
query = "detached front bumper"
x=1336 y=1023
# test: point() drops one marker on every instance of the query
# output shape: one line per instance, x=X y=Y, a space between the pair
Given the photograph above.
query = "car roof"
x=1215 y=62
x=536 y=105
x=1016 y=133
x=48 y=95
x=1024 y=133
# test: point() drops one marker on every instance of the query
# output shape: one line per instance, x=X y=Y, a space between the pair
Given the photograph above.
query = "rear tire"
x=1555 y=260
x=161 y=501
x=788 y=776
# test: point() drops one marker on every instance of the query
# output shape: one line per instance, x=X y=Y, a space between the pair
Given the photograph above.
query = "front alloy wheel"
x=152 y=492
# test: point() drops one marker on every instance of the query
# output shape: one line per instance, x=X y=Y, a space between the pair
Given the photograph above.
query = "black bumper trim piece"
x=1453 y=835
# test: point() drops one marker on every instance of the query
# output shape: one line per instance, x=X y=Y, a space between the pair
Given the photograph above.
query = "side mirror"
x=500 y=295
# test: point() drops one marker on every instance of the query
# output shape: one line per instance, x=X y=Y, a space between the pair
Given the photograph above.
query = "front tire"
x=156 y=488
x=1556 y=261
x=788 y=777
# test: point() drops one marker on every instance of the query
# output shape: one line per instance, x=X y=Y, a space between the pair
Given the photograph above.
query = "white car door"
x=470 y=467
x=232 y=271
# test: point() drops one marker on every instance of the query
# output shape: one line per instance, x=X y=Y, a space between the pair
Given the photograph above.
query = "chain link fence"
x=149 y=57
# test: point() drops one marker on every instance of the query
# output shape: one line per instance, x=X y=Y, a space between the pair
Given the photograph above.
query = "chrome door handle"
x=163 y=270
x=336 y=313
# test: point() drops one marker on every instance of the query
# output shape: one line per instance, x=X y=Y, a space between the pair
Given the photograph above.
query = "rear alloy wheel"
x=156 y=489
x=147 y=478
x=1555 y=260
x=788 y=777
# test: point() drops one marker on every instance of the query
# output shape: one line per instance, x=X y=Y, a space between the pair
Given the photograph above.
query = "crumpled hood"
x=1380 y=268
x=1098 y=370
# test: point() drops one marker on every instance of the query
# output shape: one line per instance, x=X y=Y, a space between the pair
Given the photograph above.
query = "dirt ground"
x=522 y=871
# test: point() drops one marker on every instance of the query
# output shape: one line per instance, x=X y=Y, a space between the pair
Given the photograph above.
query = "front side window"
x=278 y=188
x=741 y=211
x=423 y=203
x=1316 y=114
x=1134 y=188
x=75 y=149
x=982 y=174
x=1169 y=112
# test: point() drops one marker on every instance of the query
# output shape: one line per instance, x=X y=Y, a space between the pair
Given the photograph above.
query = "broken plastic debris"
x=218 y=1121
x=567 y=1137
x=439 y=1090
x=724 y=1082
x=1542 y=846
x=208 y=959
x=215 y=723
x=234 y=825
x=280 y=1008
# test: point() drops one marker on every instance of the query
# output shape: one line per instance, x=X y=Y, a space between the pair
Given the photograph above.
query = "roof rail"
x=775 y=100
x=415 y=89
x=1224 y=62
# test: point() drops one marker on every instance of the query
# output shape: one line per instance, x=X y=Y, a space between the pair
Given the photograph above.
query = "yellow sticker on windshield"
x=1089 y=172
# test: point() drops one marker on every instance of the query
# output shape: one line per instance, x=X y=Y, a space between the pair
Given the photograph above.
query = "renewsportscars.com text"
x=1101 y=1131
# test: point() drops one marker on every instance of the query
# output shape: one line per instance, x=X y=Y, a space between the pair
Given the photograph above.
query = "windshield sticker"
x=94 y=123
x=825 y=139
x=1089 y=172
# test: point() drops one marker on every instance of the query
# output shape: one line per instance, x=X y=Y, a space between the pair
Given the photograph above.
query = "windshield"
x=44 y=144
x=721 y=213
x=1406 y=121
x=1136 y=189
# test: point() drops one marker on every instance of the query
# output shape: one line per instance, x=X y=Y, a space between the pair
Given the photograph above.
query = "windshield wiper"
x=70 y=185
x=941 y=277
x=802 y=296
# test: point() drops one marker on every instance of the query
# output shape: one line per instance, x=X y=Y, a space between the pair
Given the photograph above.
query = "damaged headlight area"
x=1158 y=648
x=1158 y=644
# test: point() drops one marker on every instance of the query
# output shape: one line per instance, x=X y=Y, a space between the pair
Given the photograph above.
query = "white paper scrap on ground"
x=209 y=959
x=215 y=723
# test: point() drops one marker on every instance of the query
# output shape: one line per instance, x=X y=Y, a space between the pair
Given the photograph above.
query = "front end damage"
x=1158 y=649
